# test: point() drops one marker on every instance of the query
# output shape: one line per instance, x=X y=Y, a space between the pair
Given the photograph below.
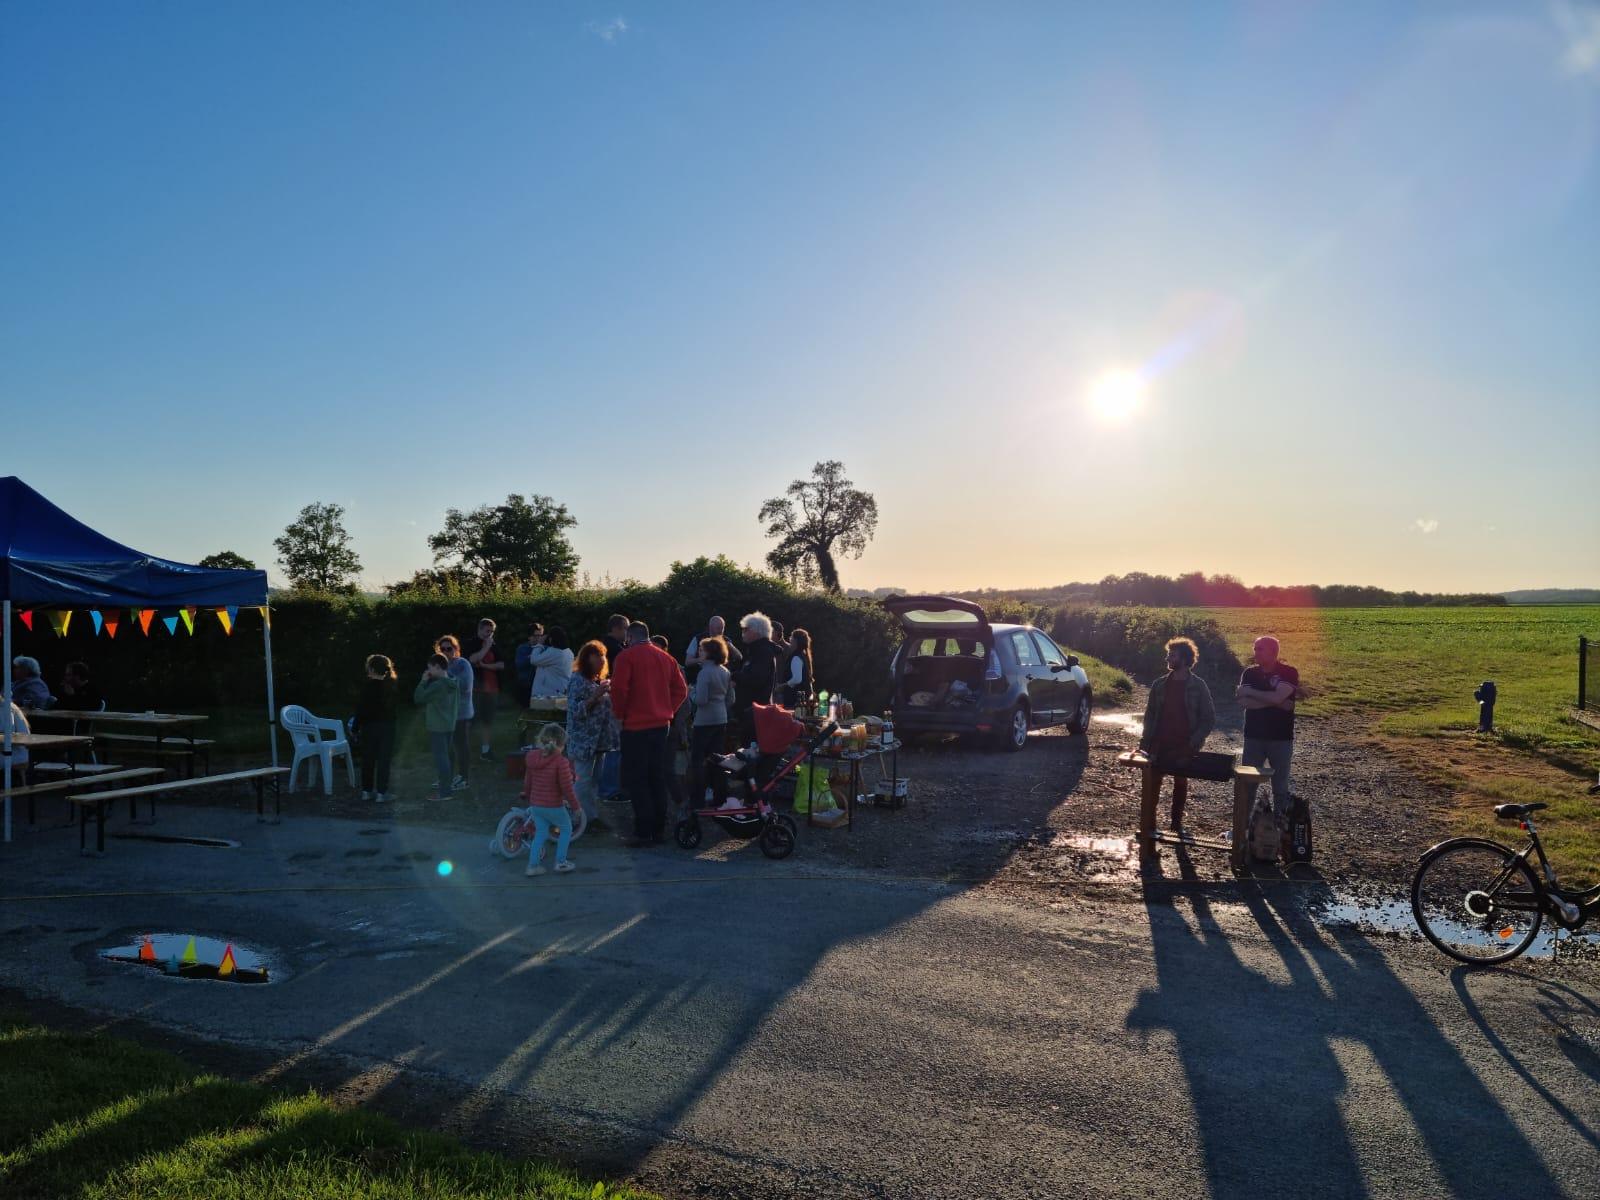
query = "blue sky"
x=657 y=261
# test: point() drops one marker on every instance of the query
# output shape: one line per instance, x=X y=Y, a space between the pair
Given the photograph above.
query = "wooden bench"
x=66 y=785
x=172 y=746
x=82 y=769
x=99 y=800
x=1245 y=782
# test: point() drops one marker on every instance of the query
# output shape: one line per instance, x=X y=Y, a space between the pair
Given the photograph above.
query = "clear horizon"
x=1294 y=293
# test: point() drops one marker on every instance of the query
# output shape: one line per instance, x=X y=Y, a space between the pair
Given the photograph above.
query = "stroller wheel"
x=778 y=838
x=580 y=822
x=507 y=840
x=687 y=833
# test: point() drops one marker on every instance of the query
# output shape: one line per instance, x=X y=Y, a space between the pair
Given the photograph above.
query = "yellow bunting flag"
x=227 y=965
x=27 y=618
x=266 y=617
x=146 y=615
x=188 y=618
x=225 y=620
x=113 y=619
x=190 y=957
x=59 y=620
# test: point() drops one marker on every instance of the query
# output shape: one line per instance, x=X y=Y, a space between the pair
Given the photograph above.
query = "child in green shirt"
x=438 y=695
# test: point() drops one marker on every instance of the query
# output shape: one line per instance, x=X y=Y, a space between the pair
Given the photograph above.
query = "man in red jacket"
x=647 y=686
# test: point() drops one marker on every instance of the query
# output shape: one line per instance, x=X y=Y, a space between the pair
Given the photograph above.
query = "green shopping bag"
x=811 y=788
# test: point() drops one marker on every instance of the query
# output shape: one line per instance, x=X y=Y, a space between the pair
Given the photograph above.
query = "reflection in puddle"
x=1131 y=722
x=187 y=956
x=1101 y=859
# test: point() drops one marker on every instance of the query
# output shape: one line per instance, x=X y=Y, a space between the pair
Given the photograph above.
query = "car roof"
x=1009 y=628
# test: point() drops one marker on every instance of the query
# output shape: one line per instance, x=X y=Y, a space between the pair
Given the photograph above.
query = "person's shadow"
x=1269 y=1092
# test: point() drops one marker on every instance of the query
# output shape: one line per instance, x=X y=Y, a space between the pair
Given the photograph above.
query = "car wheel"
x=1079 y=724
x=1013 y=735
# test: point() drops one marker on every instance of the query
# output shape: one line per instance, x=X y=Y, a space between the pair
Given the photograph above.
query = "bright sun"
x=1116 y=395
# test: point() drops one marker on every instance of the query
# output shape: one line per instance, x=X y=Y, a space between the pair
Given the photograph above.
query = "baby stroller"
x=749 y=781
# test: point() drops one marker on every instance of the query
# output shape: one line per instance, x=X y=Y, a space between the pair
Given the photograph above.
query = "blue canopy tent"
x=49 y=559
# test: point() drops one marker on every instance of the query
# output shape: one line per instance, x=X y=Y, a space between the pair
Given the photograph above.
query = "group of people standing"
x=1180 y=715
x=624 y=691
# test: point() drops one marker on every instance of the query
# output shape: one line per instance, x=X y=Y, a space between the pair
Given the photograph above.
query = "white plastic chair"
x=310 y=735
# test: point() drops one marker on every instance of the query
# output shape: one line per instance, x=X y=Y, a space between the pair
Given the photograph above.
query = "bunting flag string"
x=113 y=619
x=188 y=619
x=225 y=619
x=27 y=618
x=172 y=625
x=60 y=618
x=99 y=621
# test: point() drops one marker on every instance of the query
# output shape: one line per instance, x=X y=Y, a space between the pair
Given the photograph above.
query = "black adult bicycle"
x=1481 y=902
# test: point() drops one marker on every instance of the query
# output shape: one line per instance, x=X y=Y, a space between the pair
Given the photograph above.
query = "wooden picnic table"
x=152 y=718
x=43 y=741
x=169 y=734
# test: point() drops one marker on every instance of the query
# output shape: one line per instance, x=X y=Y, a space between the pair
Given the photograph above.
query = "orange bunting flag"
x=59 y=620
x=113 y=618
x=27 y=618
x=225 y=620
x=227 y=965
x=146 y=615
x=147 y=951
x=188 y=618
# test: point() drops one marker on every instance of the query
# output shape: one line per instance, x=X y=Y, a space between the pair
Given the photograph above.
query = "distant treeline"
x=1196 y=590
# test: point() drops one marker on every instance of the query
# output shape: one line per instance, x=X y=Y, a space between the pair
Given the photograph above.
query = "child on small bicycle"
x=547 y=790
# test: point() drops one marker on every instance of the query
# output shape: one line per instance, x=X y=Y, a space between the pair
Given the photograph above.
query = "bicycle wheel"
x=1476 y=901
x=507 y=840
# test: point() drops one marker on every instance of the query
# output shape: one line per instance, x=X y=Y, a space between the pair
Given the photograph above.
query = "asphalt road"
x=725 y=1025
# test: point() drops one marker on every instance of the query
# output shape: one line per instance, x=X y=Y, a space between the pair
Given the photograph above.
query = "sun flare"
x=1116 y=395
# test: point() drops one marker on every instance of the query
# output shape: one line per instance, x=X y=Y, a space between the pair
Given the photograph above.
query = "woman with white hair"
x=759 y=671
x=28 y=688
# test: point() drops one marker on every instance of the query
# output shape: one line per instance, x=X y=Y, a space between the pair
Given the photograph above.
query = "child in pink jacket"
x=547 y=790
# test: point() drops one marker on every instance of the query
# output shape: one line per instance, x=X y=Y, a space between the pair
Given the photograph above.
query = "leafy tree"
x=315 y=552
x=227 y=560
x=519 y=542
x=433 y=581
x=815 y=520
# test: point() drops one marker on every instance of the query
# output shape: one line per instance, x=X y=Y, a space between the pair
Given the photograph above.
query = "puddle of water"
x=1395 y=917
x=1131 y=722
x=188 y=956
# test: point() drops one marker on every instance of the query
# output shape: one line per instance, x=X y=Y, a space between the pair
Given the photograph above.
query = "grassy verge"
x=1111 y=686
x=1413 y=672
x=92 y=1116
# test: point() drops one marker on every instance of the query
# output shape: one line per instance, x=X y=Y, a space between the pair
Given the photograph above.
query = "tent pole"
x=272 y=707
x=5 y=699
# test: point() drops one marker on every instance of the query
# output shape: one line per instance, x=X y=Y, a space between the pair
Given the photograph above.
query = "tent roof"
x=50 y=558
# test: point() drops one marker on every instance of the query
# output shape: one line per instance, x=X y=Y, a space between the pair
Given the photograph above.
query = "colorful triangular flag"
x=60 y=618
x=94 y=615
x=172 y=967
x=188 y=618
x=227 y=965
x=225 y=619
x=190 y=957
x=113 y=619
x=27 y=618
x=172 y=625
x=266 y=617
x=147 y=951
x=145 y=617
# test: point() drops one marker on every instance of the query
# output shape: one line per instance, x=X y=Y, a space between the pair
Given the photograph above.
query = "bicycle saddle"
x=1508 y=812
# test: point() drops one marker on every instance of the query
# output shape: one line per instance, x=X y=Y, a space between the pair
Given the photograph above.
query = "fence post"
x=1583 y=670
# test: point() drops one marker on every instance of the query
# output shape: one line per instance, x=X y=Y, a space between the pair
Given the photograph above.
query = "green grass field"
x=1413 y=670
x=98 y=1117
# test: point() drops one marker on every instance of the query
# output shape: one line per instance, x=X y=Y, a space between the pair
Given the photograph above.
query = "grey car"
x=956 y=673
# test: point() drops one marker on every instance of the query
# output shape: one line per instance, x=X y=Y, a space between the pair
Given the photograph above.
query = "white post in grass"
x=272 y=707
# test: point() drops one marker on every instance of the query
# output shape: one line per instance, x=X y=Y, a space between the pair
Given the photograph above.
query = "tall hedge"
x=320 y=642
x=1133 y=637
